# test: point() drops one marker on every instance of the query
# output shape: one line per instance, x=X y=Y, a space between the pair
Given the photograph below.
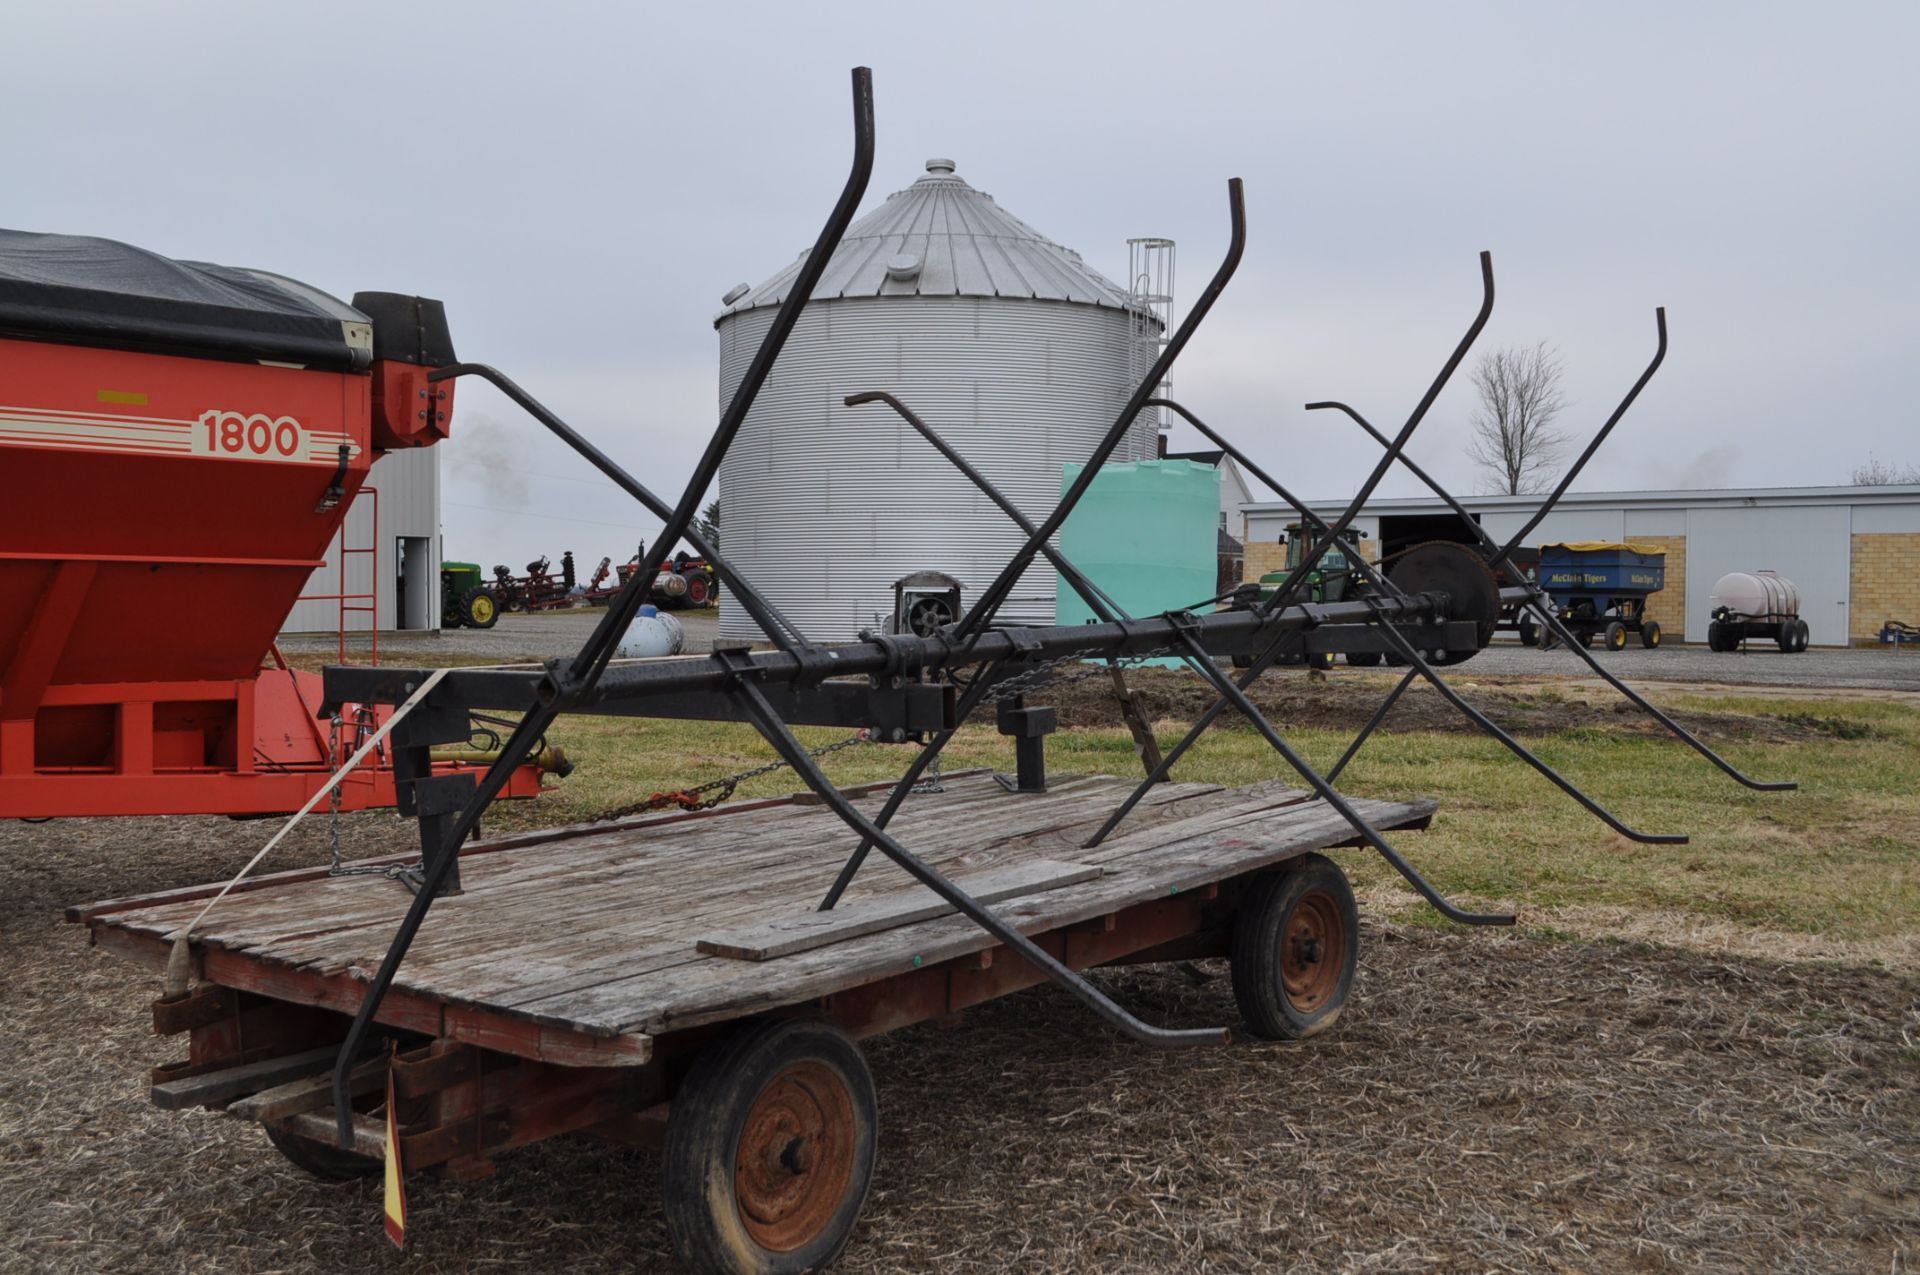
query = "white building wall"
x=408 y=483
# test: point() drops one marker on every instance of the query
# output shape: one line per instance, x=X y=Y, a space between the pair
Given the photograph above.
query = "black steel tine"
x=1097 y=598
x=984 y=608
x=989 y=602
x=1373 y=724
x=1421 y=666
x=622 y=609
x=1331 y=795
x=1551 y=621
x=1573 y=470
x=779 y=630
x=1283 y=594
x=558 y=689
x=790 y=749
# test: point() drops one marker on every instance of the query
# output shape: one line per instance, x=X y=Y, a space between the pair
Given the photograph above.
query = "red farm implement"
x=179 y=443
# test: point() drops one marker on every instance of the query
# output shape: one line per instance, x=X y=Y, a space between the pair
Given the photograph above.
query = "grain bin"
x=1007 y=343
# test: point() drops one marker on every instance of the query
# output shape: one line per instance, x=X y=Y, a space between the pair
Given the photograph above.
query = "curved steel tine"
x=1424 y=669
x=984 y=609
x=622 y=609
x=989 y=602
x=1580 y=463
x=1331 y=795
x=1097 y=599
x=779 y=630
x=585 y=667
x=777 y=733
x=1284 y=593
x=1559 y=630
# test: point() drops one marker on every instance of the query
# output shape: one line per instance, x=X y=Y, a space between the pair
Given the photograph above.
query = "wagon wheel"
x=699 y=588
x=1615 y=636
x=1296 y=939
x=770 y=1149
x=1364 y=659
x=1803 y=635
x=1650 y=634
x=1529 y=631
x=328 y=1163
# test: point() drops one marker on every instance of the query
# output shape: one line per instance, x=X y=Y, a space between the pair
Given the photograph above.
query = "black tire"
x=1289 y=930
x=1322 y=660
x=323 y=1161
x=1805 y=635
x=1529 y=631
x=479 y=608
x=1364 y=659
x=1787 y=637
x=1615 y=636
x=699 y=589
x=1717 y=637
x=791 y=1204
x=1586 y=638
x=1650 y=635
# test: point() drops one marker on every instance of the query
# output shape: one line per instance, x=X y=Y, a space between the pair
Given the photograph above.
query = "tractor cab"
x=1332 y=576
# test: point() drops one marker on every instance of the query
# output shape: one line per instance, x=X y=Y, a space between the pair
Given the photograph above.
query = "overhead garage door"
x=1811 y=546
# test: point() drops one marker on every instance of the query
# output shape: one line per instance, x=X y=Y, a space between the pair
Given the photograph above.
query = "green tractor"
x=465 y=599
x=1333 y=578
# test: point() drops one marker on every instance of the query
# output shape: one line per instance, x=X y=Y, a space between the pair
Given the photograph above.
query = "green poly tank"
x=1148 y=533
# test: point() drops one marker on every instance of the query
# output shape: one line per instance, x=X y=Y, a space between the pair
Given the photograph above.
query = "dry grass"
x=1490 y=1102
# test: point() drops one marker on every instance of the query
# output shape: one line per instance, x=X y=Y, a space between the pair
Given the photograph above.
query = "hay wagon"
x=651 y=981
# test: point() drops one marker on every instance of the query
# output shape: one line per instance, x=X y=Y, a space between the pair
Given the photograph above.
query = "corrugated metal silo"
x=1006 y=342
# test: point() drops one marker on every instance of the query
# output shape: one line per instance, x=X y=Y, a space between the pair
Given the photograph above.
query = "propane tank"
x=650 y=636
x=1764 y=597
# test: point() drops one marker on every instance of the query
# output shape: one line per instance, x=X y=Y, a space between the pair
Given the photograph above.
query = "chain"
x=710 y=794
x=1048 y=673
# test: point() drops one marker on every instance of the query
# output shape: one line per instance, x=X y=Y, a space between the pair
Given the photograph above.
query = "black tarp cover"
x=99 y=292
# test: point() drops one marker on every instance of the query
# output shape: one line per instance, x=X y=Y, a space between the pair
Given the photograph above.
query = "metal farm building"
x=401 y=526
x=1854 y=552
x=1010 y=345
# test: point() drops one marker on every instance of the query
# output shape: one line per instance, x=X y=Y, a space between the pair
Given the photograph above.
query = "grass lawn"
x=1829 y=869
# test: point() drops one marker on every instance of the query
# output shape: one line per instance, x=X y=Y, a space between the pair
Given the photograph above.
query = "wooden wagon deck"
x=582 y=945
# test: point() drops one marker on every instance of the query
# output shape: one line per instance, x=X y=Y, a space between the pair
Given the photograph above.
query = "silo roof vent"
x=940 y=237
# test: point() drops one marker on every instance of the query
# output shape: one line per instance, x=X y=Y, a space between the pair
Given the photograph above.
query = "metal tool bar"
x=1410 y=653
x=779 y=630
x=1544 y=608
x=790 y=749
x=982 y=611
x=560 y=686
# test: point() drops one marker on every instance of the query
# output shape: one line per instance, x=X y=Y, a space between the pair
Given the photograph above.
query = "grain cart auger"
x=749 y=1031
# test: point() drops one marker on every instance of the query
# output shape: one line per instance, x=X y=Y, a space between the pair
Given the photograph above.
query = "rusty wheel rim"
x=1313 y=951
x=795 y=1157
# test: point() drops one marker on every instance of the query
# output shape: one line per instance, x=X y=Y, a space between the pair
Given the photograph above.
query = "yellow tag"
x=396 y=1192
x=133 y=398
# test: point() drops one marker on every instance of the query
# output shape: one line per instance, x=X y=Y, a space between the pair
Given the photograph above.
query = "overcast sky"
x=581 y=183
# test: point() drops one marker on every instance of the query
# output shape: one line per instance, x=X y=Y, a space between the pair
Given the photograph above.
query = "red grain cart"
x=179 y=442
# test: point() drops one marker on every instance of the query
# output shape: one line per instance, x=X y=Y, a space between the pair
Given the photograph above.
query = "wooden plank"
x=309 y=1094
x=714 y=990
x=369 y=1132
x=234 y=1082
x=806 y=931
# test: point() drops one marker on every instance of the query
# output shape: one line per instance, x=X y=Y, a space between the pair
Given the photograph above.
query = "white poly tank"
x=1008 y=344
x=1763 y=597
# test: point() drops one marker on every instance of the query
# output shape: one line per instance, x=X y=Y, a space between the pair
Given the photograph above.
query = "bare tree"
x=1877 y=473
x=1514 y=439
